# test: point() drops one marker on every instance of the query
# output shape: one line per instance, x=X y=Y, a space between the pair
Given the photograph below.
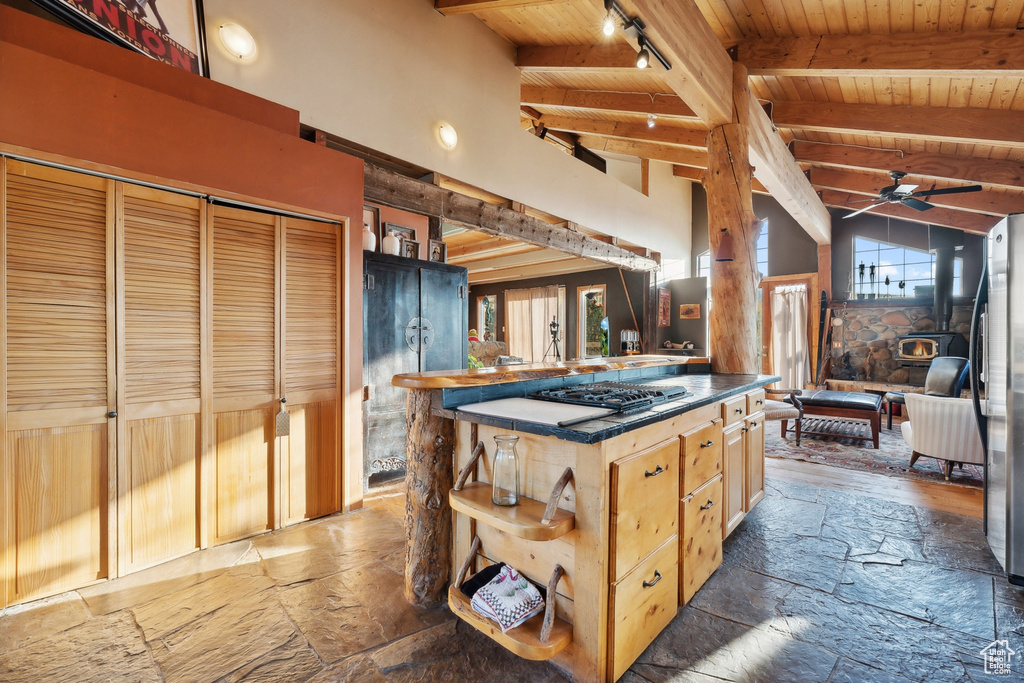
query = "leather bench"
x=842 y=404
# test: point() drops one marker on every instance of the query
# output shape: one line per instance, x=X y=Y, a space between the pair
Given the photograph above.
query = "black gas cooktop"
x=627 y=398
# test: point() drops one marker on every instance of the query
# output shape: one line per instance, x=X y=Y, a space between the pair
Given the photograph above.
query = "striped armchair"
x=942 y=428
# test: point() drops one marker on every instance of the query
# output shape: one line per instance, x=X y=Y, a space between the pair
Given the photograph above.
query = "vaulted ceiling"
x=851 y=90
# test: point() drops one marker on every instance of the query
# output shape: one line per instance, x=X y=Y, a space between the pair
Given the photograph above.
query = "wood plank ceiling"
x=855 y=88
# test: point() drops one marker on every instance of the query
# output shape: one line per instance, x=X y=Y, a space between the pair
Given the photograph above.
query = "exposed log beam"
x=634 y=103
x=673 y=135
x=985 y=201
x=701 y=71
x=994 y=54
x=998 y=172
x=447 y=7
x=392 y=189
x=647 y=150
x=945 y=124
x=617 y=57
x=775 y=167
x=961 y=220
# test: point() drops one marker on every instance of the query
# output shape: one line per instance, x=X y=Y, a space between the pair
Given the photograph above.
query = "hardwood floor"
x=961 y=500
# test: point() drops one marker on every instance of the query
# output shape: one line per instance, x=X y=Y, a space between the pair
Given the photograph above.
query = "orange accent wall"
x=101 y=106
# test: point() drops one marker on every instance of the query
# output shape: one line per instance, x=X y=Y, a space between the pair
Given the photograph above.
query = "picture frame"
x=664 y=306
x=410 y=248
x=689 y=311
x=174 y=33
x=371 y=216
x=438 y=251
x=401 y=232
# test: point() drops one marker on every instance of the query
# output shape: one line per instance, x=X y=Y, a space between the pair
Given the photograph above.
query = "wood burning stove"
x=919 y=348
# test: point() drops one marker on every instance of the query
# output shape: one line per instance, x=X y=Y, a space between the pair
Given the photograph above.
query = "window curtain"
x=789 y=336
x=528 y=316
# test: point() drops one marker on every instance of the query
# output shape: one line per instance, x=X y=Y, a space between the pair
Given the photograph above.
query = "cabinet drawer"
x=641 y=604
x=755 y=401
x=734 y=410
x=700 y=550
x=702 y=455
x=645 y=488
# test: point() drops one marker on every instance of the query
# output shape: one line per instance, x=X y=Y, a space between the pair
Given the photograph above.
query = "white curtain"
x=789 y=336
x=528 y=316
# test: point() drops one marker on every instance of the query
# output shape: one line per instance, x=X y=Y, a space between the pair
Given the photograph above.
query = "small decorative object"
x=391 y=244
x=664 y=305
x=410 y=248
x=689 y=311
x=438 y=251
x=505 y=471
x=369 y=239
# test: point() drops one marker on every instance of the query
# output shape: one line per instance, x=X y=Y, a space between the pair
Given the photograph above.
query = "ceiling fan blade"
x=948 y=190
x=915 y=204
x=861 y=201
x=866 y=208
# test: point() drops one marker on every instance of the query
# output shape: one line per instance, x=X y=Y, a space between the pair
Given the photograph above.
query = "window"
x=592 y=321
x=874 y=261
x=762 y=250
x=486 y=317
x=529 y=314
x=704 y=264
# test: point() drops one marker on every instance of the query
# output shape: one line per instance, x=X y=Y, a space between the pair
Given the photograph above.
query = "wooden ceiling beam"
x=944 y=124
x=647 y=150
x=1001 y=173
x=381 y=186
x=984 y=202
x=697 y=175
x=448 y=7
x=949 y=218
x=968 y=54
x=633 y=103
x=517 y=273
x=673 y=135
x=516 y=260
x=556 y=58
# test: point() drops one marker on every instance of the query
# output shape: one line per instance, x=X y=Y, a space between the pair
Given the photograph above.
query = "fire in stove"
x=918 y=348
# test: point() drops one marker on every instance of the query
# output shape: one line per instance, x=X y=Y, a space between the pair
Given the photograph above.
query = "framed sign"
x=170 y=31
x=689 y=311
x=664 y=305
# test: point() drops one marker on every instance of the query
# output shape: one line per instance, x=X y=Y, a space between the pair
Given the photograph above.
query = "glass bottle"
x=505 y=471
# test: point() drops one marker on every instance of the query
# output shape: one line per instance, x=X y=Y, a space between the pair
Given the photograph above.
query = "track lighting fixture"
x=608 y=28
x=651 y=118
x=643 y=58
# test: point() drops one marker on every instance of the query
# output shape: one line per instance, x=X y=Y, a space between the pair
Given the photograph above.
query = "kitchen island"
x=623 y=515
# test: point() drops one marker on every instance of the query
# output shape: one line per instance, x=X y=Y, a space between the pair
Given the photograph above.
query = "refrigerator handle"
x=979 y=306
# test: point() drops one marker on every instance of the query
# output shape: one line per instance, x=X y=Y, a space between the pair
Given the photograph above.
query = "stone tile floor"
x=816 y=585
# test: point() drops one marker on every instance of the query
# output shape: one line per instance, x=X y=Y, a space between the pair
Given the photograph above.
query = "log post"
x=429 y=475
x=733 y=321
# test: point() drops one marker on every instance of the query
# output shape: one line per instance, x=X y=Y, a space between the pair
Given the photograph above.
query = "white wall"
x=384 y=73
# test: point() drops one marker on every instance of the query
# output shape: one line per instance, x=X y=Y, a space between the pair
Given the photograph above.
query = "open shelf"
x=524 y=640
x=523 y=520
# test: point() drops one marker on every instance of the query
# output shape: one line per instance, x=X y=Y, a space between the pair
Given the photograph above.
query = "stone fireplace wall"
x=871 y=338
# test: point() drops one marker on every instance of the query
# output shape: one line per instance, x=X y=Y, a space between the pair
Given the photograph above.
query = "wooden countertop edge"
x=504 y=374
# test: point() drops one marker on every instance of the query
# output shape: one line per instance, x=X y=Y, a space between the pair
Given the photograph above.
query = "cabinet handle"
x=758 y=402
x=753 y=423
x=112 y=413
x=657 y=578
x=739 y=410
x=658 y=470
x=745 y=430
x=709 y=505
x=709 y=444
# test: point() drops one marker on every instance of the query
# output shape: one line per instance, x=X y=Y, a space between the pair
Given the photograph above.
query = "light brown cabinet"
x=753 y=452
x=744 y=460
x=734 y=478
x=700 y=552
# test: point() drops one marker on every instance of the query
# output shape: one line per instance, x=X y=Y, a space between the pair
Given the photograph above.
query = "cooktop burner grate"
x=625 y=397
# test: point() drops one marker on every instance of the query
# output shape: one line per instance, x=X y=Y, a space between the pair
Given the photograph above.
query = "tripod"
x=553 y=345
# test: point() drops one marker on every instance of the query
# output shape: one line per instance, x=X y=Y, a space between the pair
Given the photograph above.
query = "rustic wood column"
x=429 y=475
x=733 y=321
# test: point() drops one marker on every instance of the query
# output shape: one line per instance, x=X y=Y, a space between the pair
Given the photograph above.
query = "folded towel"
x=508 y=599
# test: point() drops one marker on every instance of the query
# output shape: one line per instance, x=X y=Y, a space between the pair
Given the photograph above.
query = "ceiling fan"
x=900 y=193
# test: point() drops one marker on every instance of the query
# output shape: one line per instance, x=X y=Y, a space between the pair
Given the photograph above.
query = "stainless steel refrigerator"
x=997 y=336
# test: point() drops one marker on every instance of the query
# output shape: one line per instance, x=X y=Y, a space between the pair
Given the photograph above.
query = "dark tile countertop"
x=703 y=389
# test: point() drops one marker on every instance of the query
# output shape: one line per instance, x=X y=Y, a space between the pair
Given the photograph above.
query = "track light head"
x=651 y=118
x=608 y=27
x=643 y=58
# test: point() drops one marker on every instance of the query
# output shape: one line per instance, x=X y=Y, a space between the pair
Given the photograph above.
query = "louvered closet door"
x=244 y=373
x=58 y=379
x=159 y=327
x=310 y=456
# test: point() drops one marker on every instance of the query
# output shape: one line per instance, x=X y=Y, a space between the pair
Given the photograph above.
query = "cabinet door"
x=443 y=302
x=734 y=474
x=700 y=547
x=310 y=456
x=245 y=372
x=754 y=454
x=58 y=379
x=159 y=245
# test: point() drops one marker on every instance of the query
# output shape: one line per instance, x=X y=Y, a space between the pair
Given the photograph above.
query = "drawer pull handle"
x=658 y=470
x=709 y=444
x=753 y=423
x=739 y=410
x=657 y=578
x=745 y=430
x=710 y=504
x=758 y=402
